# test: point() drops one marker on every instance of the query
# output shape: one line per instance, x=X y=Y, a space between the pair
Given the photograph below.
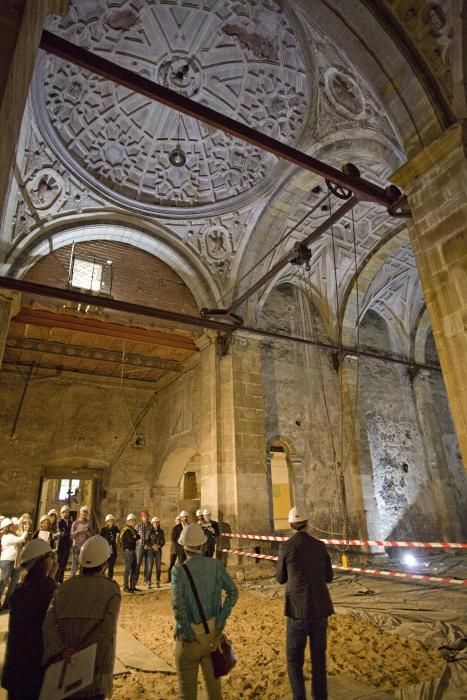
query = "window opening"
x=281 y=490
x=87 y=275
x=69 y=490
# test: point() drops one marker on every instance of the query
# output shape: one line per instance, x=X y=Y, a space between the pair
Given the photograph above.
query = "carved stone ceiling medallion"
x=239 y=57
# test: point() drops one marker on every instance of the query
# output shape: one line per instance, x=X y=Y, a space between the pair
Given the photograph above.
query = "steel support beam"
x=361 y=188
x=108 y=303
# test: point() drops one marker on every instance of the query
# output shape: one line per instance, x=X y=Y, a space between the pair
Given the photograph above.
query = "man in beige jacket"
x=85 y=611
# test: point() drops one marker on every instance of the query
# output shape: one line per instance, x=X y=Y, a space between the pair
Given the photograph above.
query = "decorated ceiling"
x=96 y=156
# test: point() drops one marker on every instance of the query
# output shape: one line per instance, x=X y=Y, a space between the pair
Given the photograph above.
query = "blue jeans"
x=158 y=561
x=298 y=633
x=130 y=574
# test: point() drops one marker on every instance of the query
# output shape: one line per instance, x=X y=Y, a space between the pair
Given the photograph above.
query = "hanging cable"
x=357 y=382
x=274 y=247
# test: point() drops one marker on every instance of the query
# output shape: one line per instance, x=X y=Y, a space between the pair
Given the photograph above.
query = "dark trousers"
x=129 y=576
x=63 y=553
x=173 y=559
x=298 y=633
x=110 y=565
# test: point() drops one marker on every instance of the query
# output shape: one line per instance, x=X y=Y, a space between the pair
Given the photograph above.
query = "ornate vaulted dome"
x=241 y=58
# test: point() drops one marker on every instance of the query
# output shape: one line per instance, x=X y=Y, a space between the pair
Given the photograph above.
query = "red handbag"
x=223 y=657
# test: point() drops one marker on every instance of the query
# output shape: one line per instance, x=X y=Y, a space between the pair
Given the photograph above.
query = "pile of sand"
x=257 y=630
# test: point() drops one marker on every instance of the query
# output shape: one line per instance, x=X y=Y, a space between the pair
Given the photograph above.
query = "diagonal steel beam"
x=361 y=188
x=284 y=261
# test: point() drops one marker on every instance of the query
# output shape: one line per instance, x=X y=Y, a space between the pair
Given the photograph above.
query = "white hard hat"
x=199 y=512
x=64 y=509
x=32 y=552
x=52 y=511
x=5 y=522
x=109 y=517
x=15 y=521
x=296 y=516
x=94 y=552
x=155 y=519
x=85 y=508
x=43 y=518
x=192 y=536
x=130 y=516
x=184 y=514
x=206 y=512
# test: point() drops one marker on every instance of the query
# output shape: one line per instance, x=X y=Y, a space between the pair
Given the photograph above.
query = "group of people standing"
x=50 y=621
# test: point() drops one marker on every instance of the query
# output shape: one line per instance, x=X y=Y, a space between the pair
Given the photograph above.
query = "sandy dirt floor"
x=257 y=630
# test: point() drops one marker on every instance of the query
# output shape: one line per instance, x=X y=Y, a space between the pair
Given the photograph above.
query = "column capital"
x=13 y=298
x=454 y=138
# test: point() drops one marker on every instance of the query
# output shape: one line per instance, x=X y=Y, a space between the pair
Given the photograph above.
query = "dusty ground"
x=256 y=628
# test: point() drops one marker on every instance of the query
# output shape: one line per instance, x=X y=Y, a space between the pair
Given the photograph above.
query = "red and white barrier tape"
x=356 y=543
x=358 y=570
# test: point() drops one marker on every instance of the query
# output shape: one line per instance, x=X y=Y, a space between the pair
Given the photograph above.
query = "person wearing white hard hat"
x=84 y=611
x=211 y=530
x=81 y=531
x=110 y=532
x=156 y=540
x=305 y=566
x=176 y=532
x=129 y=539
x=199 y=515
x=173 y=550
x=28 y=607
x=43 y=531
x=9 y=558
x=193 y=644
x=144 y=553
x=53 y=520
x=64 y=541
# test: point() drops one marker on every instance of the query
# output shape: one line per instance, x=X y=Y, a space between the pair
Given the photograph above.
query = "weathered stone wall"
x=403 y=472
x=71 y=422
x=303 y=410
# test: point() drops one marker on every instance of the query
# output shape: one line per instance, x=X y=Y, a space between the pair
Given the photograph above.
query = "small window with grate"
x=91 y=275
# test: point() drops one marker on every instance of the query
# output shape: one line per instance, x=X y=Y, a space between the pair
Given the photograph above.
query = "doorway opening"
x=280 y=486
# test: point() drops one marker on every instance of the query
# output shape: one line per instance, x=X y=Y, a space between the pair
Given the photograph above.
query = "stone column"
x=10 y=304
x=435 y=181
x=232 y=445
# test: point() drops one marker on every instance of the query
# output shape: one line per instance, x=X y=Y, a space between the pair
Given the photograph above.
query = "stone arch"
x=310 y=292
x=158 y=241
x=420 y=335
x=375 y=155
x=174 y=465
x=167 y=491
x=415 y=111
x=367 y=270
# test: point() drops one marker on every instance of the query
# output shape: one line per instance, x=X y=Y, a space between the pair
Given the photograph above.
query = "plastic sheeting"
x=433 y=614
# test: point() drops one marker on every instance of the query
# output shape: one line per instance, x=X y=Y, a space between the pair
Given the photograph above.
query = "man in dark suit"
x=304 y=565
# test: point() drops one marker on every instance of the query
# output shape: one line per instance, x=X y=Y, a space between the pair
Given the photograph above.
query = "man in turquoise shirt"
x=194 y=645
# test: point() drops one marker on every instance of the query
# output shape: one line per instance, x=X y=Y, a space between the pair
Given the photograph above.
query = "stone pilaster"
x=435 y=181
x=10 y=304
x=233 y=449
